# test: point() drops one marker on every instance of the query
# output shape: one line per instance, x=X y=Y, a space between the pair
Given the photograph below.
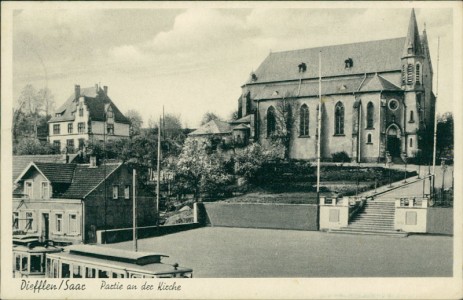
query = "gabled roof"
x=213 y=127
x=53 y=172
x=86 y=179
x=95 y=99
x=60 y=173
x=77 y=180
x=378 y=83
x=22 y=161
x=368 y=57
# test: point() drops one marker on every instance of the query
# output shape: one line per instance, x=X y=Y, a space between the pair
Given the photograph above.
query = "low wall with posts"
x=440 y=220
x=256 y=215
x=411 y=214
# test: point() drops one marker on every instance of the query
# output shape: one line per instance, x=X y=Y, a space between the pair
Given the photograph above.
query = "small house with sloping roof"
x=376 y=96
x=69 y=203
x=88 y=114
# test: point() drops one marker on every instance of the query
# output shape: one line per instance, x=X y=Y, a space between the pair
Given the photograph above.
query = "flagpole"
x=319 y=122
x=435 y=122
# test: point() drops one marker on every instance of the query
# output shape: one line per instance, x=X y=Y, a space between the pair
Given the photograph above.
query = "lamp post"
x=444 y=168
x=388 y=161
x=404 y=157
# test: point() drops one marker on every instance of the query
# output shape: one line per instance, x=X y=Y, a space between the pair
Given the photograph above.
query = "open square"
x=219 y=252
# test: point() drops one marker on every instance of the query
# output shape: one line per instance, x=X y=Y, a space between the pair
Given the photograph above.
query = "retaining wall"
x=126 y=234
x=250 y=215
x=440 y=220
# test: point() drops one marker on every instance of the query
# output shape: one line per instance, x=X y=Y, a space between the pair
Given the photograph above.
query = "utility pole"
x=134 y=211
x=158 y=172
x=319 y=123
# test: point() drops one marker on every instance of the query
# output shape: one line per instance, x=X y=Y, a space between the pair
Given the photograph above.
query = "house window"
x=70 y=127
x=81 y=144
x=418 y=73
x=45 y=190
x=15 y=220
x=89 y=127
x=56 y=129
x=127 y=192
x=59 y=223
x=110 y=114
x=370 y=115
x=81 y=112
x=110 y=128
x=81 y=127
x=115 y=191
x=369 y=138
x=410 y=74
x=70 y=145
x=412 y=119
x=72 y=223
x=271 y=121
x=57 y=145
x=29 y=220
x=411 y=142
x=28 y=184
x=304 y=121
x=339 y=118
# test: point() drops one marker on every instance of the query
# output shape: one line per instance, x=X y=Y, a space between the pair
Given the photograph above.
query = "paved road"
x=215 y=252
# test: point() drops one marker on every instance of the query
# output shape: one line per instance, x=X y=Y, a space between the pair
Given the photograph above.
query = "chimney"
x=77 y=91
x=92 y=161
x=96 y=87
x=105 y=90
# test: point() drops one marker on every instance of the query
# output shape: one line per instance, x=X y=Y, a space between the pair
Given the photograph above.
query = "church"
x=376 y=99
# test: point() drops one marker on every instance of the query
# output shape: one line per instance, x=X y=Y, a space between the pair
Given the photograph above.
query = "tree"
x=46 y=100
x=31 y=113
x=209 y=116
x=198 y=172
x=445 y=138
x=136 y=122
x=172 y=127
x=234 y=115
x=32 y=146
x=285 y=110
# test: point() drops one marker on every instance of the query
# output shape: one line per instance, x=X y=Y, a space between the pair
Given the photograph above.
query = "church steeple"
x=412 y=45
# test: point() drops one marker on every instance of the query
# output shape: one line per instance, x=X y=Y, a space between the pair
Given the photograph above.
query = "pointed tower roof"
x=413 y=38
x=424 y=43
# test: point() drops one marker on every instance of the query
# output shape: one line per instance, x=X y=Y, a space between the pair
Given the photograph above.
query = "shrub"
x=341 y=157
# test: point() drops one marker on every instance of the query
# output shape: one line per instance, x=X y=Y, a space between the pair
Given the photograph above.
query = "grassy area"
x=282 y=198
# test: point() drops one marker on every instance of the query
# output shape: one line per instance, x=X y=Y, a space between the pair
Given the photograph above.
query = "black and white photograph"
x=231 y=150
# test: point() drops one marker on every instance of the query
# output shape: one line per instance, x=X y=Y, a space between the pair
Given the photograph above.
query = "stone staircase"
x=377 y=218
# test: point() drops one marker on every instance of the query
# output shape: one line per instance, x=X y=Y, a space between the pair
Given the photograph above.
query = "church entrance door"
x=393 y=141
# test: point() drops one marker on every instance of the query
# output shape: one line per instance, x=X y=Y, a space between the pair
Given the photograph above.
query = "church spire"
x=412 y=45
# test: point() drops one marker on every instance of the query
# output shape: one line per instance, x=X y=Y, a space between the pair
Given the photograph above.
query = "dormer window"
x=348 y=63
x=302 y=67
x=253 y=77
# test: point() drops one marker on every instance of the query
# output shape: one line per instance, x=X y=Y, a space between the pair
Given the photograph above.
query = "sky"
x=194 y=59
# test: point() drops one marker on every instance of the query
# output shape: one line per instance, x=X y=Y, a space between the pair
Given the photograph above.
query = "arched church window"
x=271 y=121
x=370 y=115
x=404 y=75
x=369 y=138
x=410 y=74
x=411 y=142
x=418 y=73
x=339 y=118
x=304 y=120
